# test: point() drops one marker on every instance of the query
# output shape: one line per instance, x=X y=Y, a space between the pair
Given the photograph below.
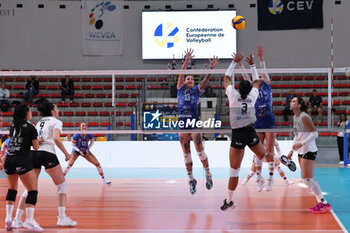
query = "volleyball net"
x=142 y=105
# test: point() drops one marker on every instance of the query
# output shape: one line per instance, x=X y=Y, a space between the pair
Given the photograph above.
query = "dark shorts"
x=44 y=158
x=18 y=164
x=308 y=155
x=245 y=136
x=265 y=122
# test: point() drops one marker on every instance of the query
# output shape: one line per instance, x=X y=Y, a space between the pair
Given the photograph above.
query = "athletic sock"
x=62 y=211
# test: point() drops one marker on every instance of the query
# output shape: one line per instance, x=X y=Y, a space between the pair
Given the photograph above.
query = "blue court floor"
x=334 y=181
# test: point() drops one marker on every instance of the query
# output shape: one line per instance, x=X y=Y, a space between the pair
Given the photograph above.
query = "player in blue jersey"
x=188 y=99
x=4 y=147
x=265 y=119
x=82 y=144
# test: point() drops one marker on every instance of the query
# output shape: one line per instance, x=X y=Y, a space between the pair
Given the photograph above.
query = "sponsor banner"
x=166 y=34
x=102 y=28
x=289 y=14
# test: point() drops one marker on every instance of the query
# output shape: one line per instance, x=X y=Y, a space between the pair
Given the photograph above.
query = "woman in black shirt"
x=23 y=135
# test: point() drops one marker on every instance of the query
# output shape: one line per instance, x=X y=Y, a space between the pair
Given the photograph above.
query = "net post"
x=114 y=107
x=132 y=136
x=216 y=118
x=345 y=149
x=330 y=100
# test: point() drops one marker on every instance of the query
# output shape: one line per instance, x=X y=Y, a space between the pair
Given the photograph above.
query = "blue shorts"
x=84 y=152
x=266 y=121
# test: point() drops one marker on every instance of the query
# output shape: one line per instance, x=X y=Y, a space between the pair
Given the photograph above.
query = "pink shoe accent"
x=321 y=208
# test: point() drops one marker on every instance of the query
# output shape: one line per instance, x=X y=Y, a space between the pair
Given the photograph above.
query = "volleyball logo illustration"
x=238 y=22
x=275 y=7
x=97 y=12
x=162 y=36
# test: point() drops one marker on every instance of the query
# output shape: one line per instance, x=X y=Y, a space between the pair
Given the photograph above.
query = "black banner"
x=289 y=14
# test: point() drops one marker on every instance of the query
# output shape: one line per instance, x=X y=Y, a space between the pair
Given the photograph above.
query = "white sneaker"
x=288 y=182
x=260 y=184
x=32 y=225
x=8 y=225
x=66 y=222
x=341 y=163
x=105 y=181
x=17 y=224
x=245 y=181
x=269 y=184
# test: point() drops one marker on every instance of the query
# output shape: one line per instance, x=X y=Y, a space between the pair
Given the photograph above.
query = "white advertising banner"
x=102 y=28
x=166 y=34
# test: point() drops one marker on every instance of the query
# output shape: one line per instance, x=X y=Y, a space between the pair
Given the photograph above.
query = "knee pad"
x=99 y=169
x=257 y=161
x=62 y=188
x=32 y=197
x=187 y=158
x=202 y=155
x=306 y=181
x=11 y=195
x=234 y=172
x=25 y=193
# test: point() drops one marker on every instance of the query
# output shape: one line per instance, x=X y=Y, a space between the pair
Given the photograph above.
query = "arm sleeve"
x=91 y=143
x=310 y=137
x=255 y=75
x=75 y=146
x=266 y=76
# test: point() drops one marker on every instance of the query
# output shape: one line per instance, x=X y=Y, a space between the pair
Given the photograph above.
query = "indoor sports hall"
x=174 y=116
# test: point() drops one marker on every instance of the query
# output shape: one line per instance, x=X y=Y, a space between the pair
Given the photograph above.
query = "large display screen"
x=167 y=34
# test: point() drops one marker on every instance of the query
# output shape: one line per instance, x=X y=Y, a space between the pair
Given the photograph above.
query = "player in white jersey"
x=49 y=129
x=277 y=167
x=305 y=145
x=242 y=117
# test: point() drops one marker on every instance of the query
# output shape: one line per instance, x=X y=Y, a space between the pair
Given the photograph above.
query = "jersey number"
x=187 y=97
x=42 y=125
x=244 y=108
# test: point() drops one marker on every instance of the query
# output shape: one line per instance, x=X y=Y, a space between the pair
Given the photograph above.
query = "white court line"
x=149 y=209
x=182 y=230
x=339 y=222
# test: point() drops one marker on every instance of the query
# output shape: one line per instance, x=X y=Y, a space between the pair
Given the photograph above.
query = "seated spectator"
x=4 y=98
x=286 y=111
x=67 y=87
x=222 y=137
x=33 y=89
x=315 y=105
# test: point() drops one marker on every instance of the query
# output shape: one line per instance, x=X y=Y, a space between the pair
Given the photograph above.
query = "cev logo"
x=162 y=36
x=275 y=7
x=95 y=14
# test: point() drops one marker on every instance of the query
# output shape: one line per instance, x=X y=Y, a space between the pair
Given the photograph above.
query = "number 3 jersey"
x=242 y=111
x=82 y=142
x=45 y=129
x=188 y=100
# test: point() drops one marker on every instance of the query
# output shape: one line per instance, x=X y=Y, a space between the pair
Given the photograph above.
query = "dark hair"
x=20 y=115
x=303 y=107
x=244 y=88
x=45 y=107
x=346 y=119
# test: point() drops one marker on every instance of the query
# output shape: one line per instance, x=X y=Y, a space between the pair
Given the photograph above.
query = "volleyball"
x=238 y=22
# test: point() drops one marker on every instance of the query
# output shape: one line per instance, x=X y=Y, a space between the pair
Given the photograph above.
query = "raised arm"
x=260 y=53
x=255 y=76
x=189 y=56
x=213 y=62
x=241 y=66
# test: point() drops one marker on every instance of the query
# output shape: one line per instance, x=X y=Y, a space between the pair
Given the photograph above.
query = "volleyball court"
x=149 y=190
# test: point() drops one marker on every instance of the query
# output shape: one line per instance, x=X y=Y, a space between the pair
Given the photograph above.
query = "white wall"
x=50 y=38
x=160 y=154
